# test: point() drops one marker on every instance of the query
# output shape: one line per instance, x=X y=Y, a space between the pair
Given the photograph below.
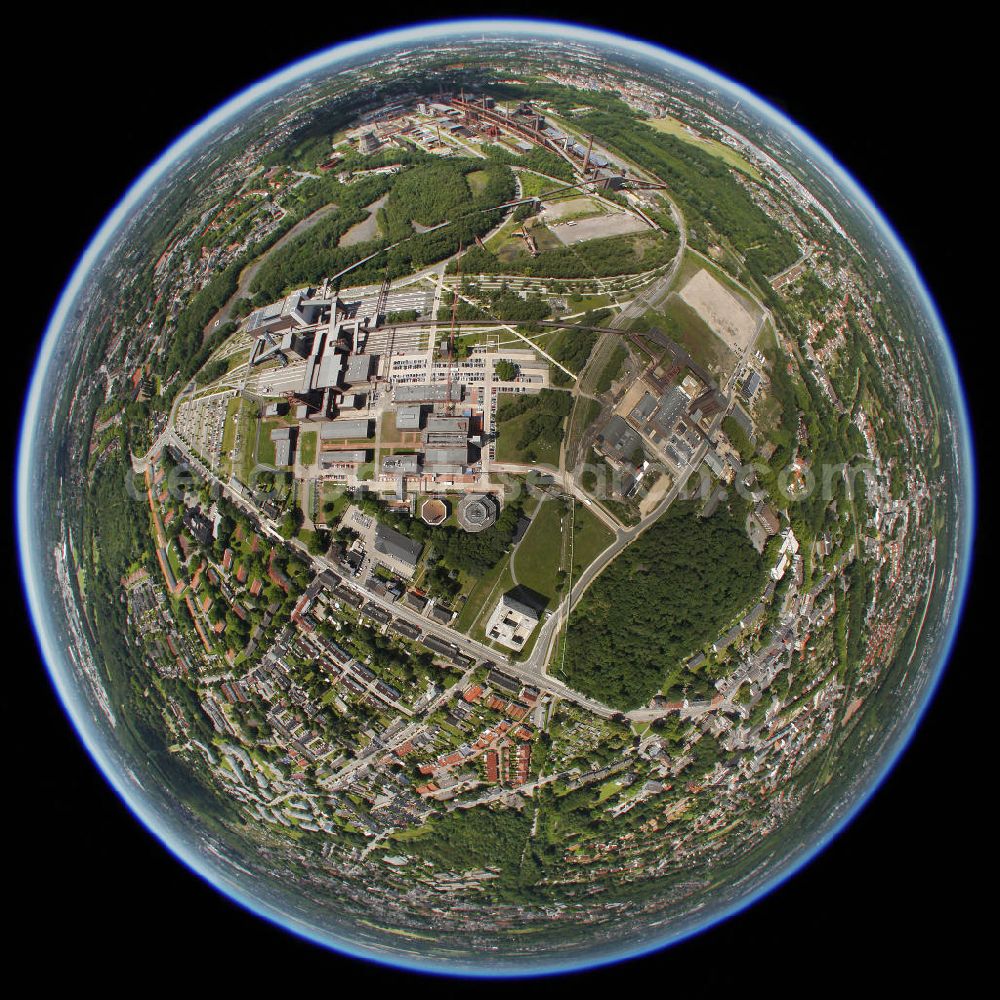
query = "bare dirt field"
x=367 y=229
x=613 y=224
x=553 y=211
x=723 y=311
x=656 y=493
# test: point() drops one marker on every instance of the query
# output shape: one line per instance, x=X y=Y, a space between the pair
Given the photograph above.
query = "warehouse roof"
x=348 y=428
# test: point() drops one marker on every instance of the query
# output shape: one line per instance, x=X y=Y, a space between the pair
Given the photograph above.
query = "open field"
x=671 y=126
x=727 y=315
x=577 y=207
x=585 y=303
x=307 y=448
x=332 y=493
x=265 y=446
x=485 y=593
x=683 y=323
x=539 y=558
x=533 y=185
x=590 y=537
x=546 y=450
x=476 y=179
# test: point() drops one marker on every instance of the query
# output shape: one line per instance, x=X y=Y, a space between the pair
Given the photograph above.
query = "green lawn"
x=539 y=557
x=229 y=430
x=476 y=179
x=591 y=536
x=265 y=446
x=501 y=583
x=533 y=184
x=477 y=598
x=585 y=303
x=333 y=493
x=307 y=448
x=247 y=420
x=676 y=128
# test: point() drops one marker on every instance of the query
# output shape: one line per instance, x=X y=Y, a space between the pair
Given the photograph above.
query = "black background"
x=889 y=903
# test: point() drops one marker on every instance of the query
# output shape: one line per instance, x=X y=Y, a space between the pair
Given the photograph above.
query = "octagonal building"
x=477 y=511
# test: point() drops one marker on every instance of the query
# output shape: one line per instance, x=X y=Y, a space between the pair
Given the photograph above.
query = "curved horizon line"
x=225 y=113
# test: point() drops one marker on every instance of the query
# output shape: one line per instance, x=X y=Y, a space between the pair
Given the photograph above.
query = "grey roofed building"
x=395 y=550
x=294 y=310
x=282 y=438
x=452 y=458
x=715 y=463
x=346 y=428
x=442 y=613
x=673 y=403
x=405 y=464
x=408 y=418
x=643 y=410
x=446 y=429
x=330 y=366
x=424 y=392
x=446 y=442
x=344 y=457
x=501 y=680
x=511 y=622
x=619 y=439
x=767 y=518
x=415 y=601
x=359 y=368
x=477 y=511
x=750 y=385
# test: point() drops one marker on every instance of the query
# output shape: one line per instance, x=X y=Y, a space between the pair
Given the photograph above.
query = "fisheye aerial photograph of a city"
x=495 y=500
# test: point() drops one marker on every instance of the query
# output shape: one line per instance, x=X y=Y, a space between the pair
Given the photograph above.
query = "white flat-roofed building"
x=511 y=623
x=408 y=418
x=407 y=465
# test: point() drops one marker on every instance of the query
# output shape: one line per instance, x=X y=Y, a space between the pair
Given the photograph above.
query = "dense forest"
x=540 y=160
x=598 y=258
x=498 y=304
x=544 y=414
x=571 y=348
x=427 y=192
x=677 y=587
